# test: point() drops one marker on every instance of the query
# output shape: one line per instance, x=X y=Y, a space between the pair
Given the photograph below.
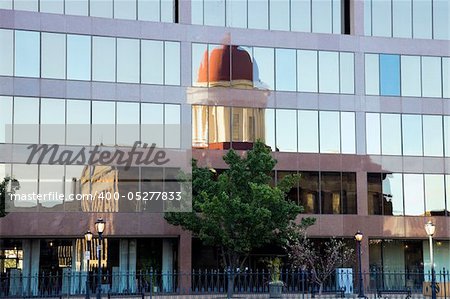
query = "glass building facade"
x=351 y=95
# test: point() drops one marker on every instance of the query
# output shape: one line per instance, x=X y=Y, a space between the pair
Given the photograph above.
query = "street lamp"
x=430 y=228
x=88 y=239
x=99 y=227
x=358 y=238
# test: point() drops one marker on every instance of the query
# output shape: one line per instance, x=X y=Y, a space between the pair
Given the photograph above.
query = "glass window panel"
x=422 y=23
x=199 y=126
x=285 y=69
x=103 y=58
x=431 y=77
x=269 y=127
x=125 y=9
x=411 y=134
x=381 y=17
x=301 y=15
x=148 y=10
x=77 y=7
x=27 y=175
x=401 y=18
x=337 y=16
x=196 y=12
x=152 y=62
x=74 y=175
x=414 y=194
x=322 y=16
x=348 y=139
x=279 y=14
x=446 y=77
x=447 y=191
x=103 y=123
x=367 y=18
x=152 y=121
x=308 y=131
x=78 y=122
x=218 y=65
x=6 y=52
x=286 y=140
x=434 y=195
x=373 y=131
x=391 y=134
x=410 y=76
x=6 y=4
x=447 y=135
x=127 y=60
x=309 y=192
x=53 y=61
x=372 y=74
x=237 y=13
x=214 y=12
x=26 y=120
x=328 y=72
x=31 y=5
x=307 y=70
x=330 y=192
x=330 y=132
x=172 y=63
x=245 y=124
x=432 y=136
x=441 y=17
x=53 y=120
x=172 y=126
x=263 y=68
x=199 y=65
x=5 y=119
x=127 y=123
x=167 y=11
x=27 y=53
x=389 y=75
x=393 y=193
x=348 y=193
x=101 y=8
x=219 y=125
x=52 y=6
x=241 y=66
x=258 y=14
x=51 y=179
x=78 y=57
x=375 y=196
x=347 y=72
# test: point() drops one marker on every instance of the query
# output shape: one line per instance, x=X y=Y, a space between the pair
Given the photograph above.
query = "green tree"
x=7 y=183
x=238 y=210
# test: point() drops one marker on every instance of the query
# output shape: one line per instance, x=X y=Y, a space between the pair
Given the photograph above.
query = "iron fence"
x=344 y=281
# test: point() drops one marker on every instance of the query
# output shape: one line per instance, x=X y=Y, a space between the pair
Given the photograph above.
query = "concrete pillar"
x=167 y=265
x=31 y=254
x=185 y=262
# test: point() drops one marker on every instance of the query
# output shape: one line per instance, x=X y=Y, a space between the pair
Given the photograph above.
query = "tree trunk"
x=230 y=275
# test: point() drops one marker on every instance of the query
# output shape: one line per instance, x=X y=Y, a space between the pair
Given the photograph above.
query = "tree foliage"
x=239 y=210
x=7 y=186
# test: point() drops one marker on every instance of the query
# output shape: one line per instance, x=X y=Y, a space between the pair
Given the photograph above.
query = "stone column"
x=185 y=262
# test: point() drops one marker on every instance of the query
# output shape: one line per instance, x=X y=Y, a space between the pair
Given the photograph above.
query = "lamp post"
x=358 y=238
x=99 y=227
x=88 y=239
x=430 y=228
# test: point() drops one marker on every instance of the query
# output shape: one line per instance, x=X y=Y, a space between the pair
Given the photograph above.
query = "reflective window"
x=285 y=72
x=263 y=68
x=53 y=61
x=346 y=73
x=446 y=77
x=373 y=138
x=447 y=135
x=401 y=18
x=372 y=74
x=152 y=120
x=321 y=16
x=308 y=131
x=431 y=76
x=269 y=128
x=381 y=18
x=219 y=125
x=103 y=59
x=28 y=176
x=127 y=123
x=411 y=76
x=389 y=75
x=171 y=63
x=167 y=10
x=329 y=132
x=441 y=17
x=152 y=62
x=103 y=8
x=393 y=193
x=337 y=16
x=196 y=11
x=329 y=72
x=330 y=192
x=259 y=16
x=27 y=54
x=51 y=179
x=127 y=60
x=432 y=135
x=286 y=138
x=31 y=5
x=301 y=15
x=172 y=126
x=414 y=194
x=78 y=57
x=434 y=195
x=103 y=123
x=422 y=23
x=376 y=201
x=447 y=190
x=391 y=134
x=279 y=15
x=6 y=52
x=214 y=12
x=309 y=192
x=5 y=120
x=348 y=130
x=26 y=120
x=411 y=134
x=148 y=10
x=125 y=9
x=367 y=18
x=348 y=205
x=52 y=6
x=307 y=75
x=6 y=4
x=78 y=122
x=77 y=7
x=199 y=64
x=237 y=13
x=53 y=120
